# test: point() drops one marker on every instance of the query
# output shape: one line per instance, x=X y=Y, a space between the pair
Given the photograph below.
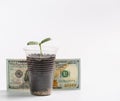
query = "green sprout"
x=39 y=43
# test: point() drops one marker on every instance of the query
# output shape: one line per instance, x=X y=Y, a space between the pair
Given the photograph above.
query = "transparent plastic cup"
x=41 y=68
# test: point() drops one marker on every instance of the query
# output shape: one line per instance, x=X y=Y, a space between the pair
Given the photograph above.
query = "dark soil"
x=37 y=61
x=40 y=73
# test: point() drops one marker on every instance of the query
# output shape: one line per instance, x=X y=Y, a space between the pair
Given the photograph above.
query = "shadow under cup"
x=41 y=68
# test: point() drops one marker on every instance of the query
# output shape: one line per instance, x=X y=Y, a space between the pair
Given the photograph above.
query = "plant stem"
x=40 y=49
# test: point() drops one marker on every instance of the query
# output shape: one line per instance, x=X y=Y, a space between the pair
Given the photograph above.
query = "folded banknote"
x=66 y=74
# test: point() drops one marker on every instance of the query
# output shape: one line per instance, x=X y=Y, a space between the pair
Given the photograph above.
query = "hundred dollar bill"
x=66 y=74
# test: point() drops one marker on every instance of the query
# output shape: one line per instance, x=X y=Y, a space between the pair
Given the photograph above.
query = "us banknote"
x=66 y=74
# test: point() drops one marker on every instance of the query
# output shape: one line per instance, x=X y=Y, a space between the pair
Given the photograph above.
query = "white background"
x=86 y=29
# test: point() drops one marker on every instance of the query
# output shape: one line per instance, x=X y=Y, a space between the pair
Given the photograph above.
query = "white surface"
x=86 y=29
x=59 y=96
x=56 y=96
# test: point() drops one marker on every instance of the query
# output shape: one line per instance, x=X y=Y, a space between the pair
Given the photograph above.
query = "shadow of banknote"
x=15 y=94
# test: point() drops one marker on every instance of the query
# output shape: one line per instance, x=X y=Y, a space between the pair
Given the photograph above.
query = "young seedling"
x=39 y=43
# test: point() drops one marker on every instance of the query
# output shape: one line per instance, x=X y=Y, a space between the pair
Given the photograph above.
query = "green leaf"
x=44 y=40
x=40 y=44
x=32 y=43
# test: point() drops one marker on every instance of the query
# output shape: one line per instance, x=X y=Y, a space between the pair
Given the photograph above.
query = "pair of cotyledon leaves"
x=39 y=43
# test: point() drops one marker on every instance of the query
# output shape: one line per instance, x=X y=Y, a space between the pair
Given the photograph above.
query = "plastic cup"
x=41 y=68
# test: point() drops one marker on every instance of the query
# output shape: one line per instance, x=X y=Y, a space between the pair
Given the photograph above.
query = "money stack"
x=66 y=74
